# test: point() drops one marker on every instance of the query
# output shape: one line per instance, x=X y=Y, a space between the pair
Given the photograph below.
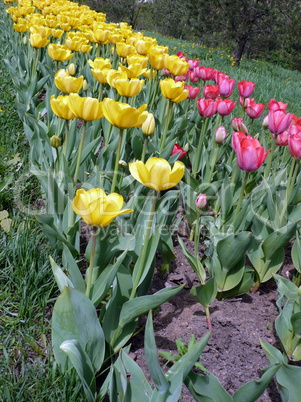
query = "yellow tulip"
x=101 y=35
x=123 y=115
x=99 y=63
x=66 y=83
x=85 y=108
x=129 y=88
x=173 y=90
x=100 y=75
x=113 y=75
x=37 y=41
x=42 y=30
x=59 y=52
x=148 y=127
x=85 y=48
x=143 y=45
x=56 y=33
x=176 y=65
x=157 y=174
x=133 y=70
x=75 y=43
x=20 y=27
x=96 y=208
x=150 y=73
x=60 y=107
x=123 y=50
x=137 y=59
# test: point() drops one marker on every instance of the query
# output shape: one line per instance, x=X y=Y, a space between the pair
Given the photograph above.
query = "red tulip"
x=246 y=88
x=225 y=106
x=192 y=91
x=294 y=145
x=279 y=121
x=211 y=91
x=205 y=73
x=254 y=110
x=226 y=87
x=250 y=154
x=238 y=125
x=274 y=105
x=178 y=150
x=206 y=107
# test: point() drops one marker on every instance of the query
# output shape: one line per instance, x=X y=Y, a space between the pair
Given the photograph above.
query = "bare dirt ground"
x=233 y=353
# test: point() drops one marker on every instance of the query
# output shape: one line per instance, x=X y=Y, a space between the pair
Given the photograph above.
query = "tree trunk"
x=240 y=47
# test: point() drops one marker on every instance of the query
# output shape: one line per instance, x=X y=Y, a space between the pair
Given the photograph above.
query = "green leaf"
x=251 y=391
x=74 y=317
x=232 y=249
x=296 y=323
x=278 y=240
x=296 y=254
x=206 y=388
x=274 y=355
x=81 y=362
x=61 y=278
x=150 y=351
x=289 y=384
x=205 y=294
x=140 y=305
x=73 y=270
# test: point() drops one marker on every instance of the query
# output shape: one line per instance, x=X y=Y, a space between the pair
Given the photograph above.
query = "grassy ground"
x=27 y=370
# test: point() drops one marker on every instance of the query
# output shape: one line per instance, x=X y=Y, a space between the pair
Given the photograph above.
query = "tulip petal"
x=177 y=173
x=139 y=171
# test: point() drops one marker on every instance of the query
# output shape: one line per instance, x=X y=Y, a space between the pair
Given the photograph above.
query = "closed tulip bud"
x=201 y=201
x=265 y=123
x=148 y=127
x=24 y=40
x=85 y=85
x=123 y=164
x=55 y=142
x=220 y=135
x=72 y=69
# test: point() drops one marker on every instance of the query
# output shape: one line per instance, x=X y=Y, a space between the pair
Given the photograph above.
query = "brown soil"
x=233 y=353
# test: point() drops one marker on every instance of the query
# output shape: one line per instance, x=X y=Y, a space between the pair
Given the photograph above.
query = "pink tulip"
x=254 y=110
x=193 y=64
x=279 y=121
x=250 y=154
x=245 y=88
x=201 y=201
x=238 y=125
x=193 y=77
x=219 y=76
x=181 y=77
x=206 y=107
x=282 y=139
x=178 y=150
x=226 y=87
x=294 y=145
x=192 y=91
x=211 y=91
x=274 y=105
x=225 y=106
x=220 y=135
x=205 y=73
x=165 y=72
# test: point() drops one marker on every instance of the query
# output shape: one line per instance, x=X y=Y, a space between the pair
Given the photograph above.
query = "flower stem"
x=144 y=148
x=241 y=196
x=91 y=265
x=167 y=121
x=196 y=161
x=271 y=156
x=79 y=155
x=117 y=161
x=145 y=246
x=65 y=144
x=290 y=185
x=201 y=272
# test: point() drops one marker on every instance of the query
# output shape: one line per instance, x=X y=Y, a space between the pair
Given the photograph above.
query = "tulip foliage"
x=106 y=133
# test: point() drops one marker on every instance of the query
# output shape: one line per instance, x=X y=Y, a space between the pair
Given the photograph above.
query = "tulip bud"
x=148 y=127
x=265 y=123
x=72 y=69
x=55 y=142
x=123 y=164
x=201 y=201
x=220 y=135
x=24 y=40
x=85 y=85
